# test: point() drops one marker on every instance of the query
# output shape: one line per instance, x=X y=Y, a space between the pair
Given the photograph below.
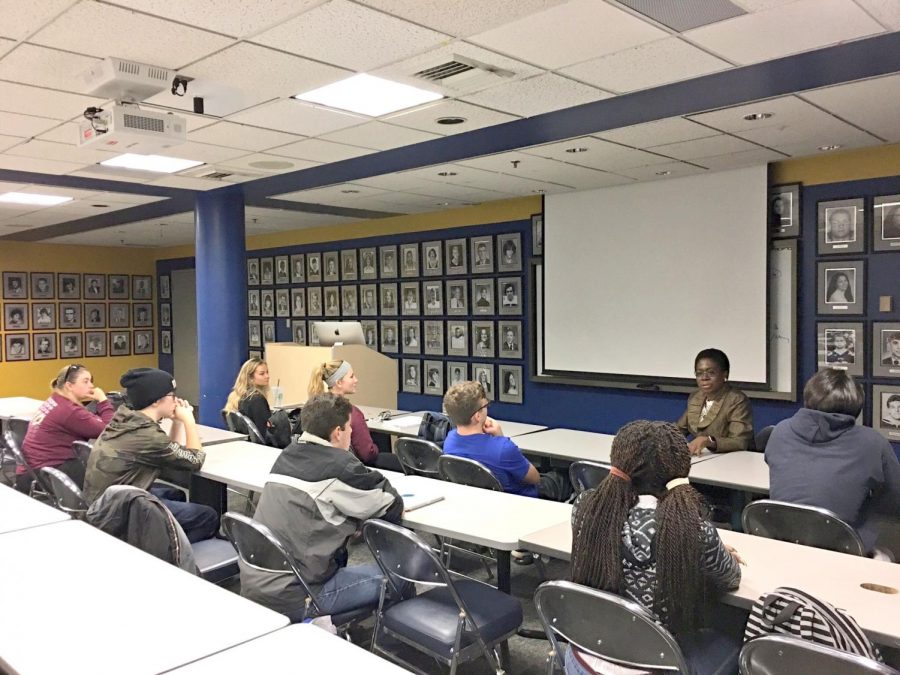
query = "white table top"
x=741 y=470
x=240 y=463
x=85 y=602
x=301 y=649
x=404 y=423
x=208 y=435
x=18 y=511
x=835 y=577
x=19 y=406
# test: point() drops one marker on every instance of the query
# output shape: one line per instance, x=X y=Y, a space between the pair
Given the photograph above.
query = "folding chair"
x=418 y=457
x=586 y=475
x=800 y=524
x=786 y=655
x=241 y=424
x=65 y=492
x=467 y=472
x=38 y=487
x=81 y=450
x=761 y=440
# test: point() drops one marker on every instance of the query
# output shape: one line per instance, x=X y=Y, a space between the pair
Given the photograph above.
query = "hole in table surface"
x=878 y=588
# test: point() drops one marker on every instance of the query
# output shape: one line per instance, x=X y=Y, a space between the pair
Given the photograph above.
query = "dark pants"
x=199 y=522
x=388 y=462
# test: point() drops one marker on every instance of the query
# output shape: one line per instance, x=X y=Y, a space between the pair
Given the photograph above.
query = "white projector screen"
x=639 y=278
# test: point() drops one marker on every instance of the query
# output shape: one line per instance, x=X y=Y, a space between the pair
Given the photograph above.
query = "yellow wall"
x=835 y=167
x=32 y=378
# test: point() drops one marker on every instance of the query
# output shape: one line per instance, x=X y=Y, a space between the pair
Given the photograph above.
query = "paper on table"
x=404 y=422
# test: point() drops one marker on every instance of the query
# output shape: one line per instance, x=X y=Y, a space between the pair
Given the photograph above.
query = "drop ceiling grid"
x=21 y=19
x=379 y=136
x=242 y=136
x=536 y=95
x=46 y=67
x=858 y=103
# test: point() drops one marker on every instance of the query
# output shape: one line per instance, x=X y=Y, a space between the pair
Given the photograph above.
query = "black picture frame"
x=118 y=287
x=784 y=211
x=509 y=296
x=68 y=286
x=331 y=266
x=457 y=262
x=509 y=339
x=143 y=342
x=841 y=287
x=830 y=353
x=282 y=269
x=17 y=347
x=15 y=316
x=482 y=255
x=411 y=376
x=885 y=405
x=368 y=263
x=95 y=344
x=165 y=287
x=15 y=285
x=841 y=226
x=510 y=384
x=432 y=260
x=411 y=337
x=349 y=268
x=70 y=315
x=43 y=315
x=390 y=342
x=267 y=271
x=483 y=339
x=95 y=315
x=388 y=261
x=71 y=346
x=43 y=286
x=313 y=268
x=886 y=349
x=433 y=378
x=119 y=315
x=253 y=271
x=886 y=223
x=349 y=301
x=537 y=234
x=390 y=305
x=94 y=287
x=120 y=343
x=143 y=314
x=509 y=252
x=141 y=287
x=484 y=374
x=165 y=342
x=433 y=338
x=44 y=346
x=298 y=268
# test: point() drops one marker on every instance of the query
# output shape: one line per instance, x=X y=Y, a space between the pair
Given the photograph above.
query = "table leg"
x=738 y=502
x=209 y=492
x=503 y=571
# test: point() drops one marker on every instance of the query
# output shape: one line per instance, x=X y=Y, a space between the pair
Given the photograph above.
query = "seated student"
x=250 y=395
x=821 y=457
x=641 y=534
x=338 y=378
x=133 y=449
x=315 y=500
x=61 y=420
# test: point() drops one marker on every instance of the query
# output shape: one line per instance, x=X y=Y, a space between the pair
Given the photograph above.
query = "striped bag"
x=789 y=611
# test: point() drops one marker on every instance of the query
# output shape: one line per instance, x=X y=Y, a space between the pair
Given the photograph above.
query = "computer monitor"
x=339 y=332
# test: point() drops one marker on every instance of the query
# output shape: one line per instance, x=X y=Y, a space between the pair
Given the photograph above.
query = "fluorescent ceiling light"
x=154 y=163
x=369 y=95
x=32 y=199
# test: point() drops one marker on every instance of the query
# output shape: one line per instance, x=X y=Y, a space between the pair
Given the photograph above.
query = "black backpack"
x=434 y=427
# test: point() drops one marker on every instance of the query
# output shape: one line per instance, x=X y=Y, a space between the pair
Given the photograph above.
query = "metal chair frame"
x=39 y=489
x=755 y=517
x=485 y=479
x=582 y=469
x=65 y=492
x=249 y=427
x=810 y=656
x=418 y=457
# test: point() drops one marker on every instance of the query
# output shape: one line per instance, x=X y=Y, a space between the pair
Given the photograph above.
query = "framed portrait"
x=298 y=332
x=96 y=343
x=411 y=336
x=254 y=334
x=44 y=346
x=298 y=268
x=389 y=343
x=482 y=296
x=482 y=254
x=456 y=256
x=143 y=314
x=165 y=342
x=15 y=285
x=537 y=234
x=509 y=292
x=457 y=298
x=483 y=338
x=349 y=301
x=119 y=315
x=510 y=383
x=266 y=271
x=282 y=302
x=886 y=411
x=509 y=252
x=370 y=331
x=409 y=292
x=298 y=302
x=330 y=263
x=434 y=378
x=43 y=286
x=368 y=300
x=886 y=349
x=434 y=297
x=141 y=287
x=367 y=263
x=95 y=315
x=412 y=376
x=841 y=287
x=71 y=347
x=349 y=272
x=118 y=287
x=70 y=315
x=886 y=223
x=253 y=271
x=312 y=336
x=267 y=300
x=388 y=256
x=43 y=315
x=409 y=260
x=509 y=339
x=254 y=354
x=388 y=299
x=332 y=301
x=841 y=226
x=120 y=343
x=143 y=342
x=17 y=347
x=457 y=371
x=314 y=301
x=94 y=286
x=313 y=267
x=165 y=287
x=165 y=314
x=432 y=264
x=68 y=286
x=15 y=316
x=484 y=374
x=268 y=332
x=784 y=211
x=458 y=338
x=434 y=338
x=282 y=270
x=253 y=308
x=840 y=346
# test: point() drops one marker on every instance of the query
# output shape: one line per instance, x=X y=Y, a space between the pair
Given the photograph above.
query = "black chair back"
x=761 y=440
x=18 y=428
x=65 y=492
x=799 y=524
x=607 y=626
x=585 y=475
x=117 y=398
x=81 y=450
x=418 y=457
x=402 y=555
x=241 y=424
x=39 y=486
x=785 y=655
x=467 y=472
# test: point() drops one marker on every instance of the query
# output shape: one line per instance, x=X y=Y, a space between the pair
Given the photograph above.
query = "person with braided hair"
x=642 y=533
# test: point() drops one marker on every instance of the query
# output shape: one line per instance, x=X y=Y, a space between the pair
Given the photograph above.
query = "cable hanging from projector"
x=92 y=114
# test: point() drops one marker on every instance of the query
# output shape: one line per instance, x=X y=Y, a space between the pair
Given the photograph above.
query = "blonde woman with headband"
x=250 y=395
x=61 y=420
x=338 y=378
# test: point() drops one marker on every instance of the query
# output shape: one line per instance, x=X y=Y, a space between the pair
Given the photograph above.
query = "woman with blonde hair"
x=250 y=395
x=338 y=378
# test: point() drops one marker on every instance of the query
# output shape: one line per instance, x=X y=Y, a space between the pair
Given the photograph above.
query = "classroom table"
x=406 y=424
x=81 y=601
x=19 y=511
x=298 y=649
x=831 y=576
x=742 y=471
x=208 y=435
x=20 y=407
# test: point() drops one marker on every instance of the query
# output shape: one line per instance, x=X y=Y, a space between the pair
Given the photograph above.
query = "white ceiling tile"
x=423 y=118
x=121 y=199
x=59 y=152
x=662 y=171
x=241 y=136
x=870 y=104
x=735 y=160
x=670 y=130
x=351 y=36
x=6 y=45
x=886 y=12
x=318 y=150
x=8 y=141
x=343 y=194
x=544 y=169
x=267 y=164
x=45 y=67
x=398 y=182
x=25 y=126
x=598 y=154
x=536 y=95
x=6 y=186
x=787 y=30
x=187 y=183
x=124 y=175
x=647 y=65
x=66 y=132
x=704 y=147
x=379 y=136
x=297 y=117
x=21 y=19
x=809 y=147
x=760 y=5
x=37 y=165
x=202 y=152
x=103 y=30
x=21 y=98
x=575 y=31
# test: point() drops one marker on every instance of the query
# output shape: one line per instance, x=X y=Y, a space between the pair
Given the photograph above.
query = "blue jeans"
x=199 y=522
x=350 y=588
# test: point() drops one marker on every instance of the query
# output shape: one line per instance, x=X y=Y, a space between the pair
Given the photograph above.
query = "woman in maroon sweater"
x=62 y=419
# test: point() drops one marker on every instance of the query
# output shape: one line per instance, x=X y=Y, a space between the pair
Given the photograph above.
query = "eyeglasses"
x=706 y=373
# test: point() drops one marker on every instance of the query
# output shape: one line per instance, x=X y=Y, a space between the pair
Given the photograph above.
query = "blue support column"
x=221 y=296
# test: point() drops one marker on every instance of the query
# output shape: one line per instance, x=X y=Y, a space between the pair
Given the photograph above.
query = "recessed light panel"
x=31 y=199
x=369 y=95
x=154 y=163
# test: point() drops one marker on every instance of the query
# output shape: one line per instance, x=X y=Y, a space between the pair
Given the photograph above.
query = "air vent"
x=443 y=71
x=463 y=74
x=217 y=175
x=221 y=174
x=144 y=123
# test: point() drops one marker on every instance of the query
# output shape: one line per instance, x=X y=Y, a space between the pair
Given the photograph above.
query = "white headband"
x=338 y=374
x=675 y=482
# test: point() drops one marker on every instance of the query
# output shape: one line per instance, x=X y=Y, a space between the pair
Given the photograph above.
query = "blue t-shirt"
x=497 y=453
